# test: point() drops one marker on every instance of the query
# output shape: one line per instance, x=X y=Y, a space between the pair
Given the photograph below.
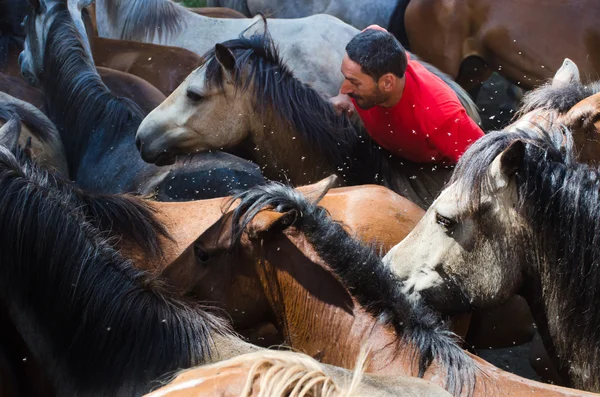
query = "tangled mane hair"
x=366 y=278
x=277 y=91
x=558 y=201
x=560 y=99
x=100 y=325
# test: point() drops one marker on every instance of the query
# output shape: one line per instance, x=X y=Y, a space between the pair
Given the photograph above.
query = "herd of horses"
x=152 y=242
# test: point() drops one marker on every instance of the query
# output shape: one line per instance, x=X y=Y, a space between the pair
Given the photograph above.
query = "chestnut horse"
x=470 y=39
x=520 y=216
x=329 y=295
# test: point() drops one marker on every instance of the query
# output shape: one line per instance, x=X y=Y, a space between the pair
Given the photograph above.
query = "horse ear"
x=566 y=75
x=270 y=221
x=9 y=133
x=225 y=57
x=512 y=158
x=315 y=192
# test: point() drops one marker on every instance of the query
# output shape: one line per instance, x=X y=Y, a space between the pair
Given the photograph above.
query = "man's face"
x=360 y=86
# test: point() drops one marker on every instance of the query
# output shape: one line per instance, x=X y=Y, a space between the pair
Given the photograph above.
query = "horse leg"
x=472 y=74
x=542 y=364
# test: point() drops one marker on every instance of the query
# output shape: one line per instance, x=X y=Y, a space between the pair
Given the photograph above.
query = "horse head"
x=37 y=25
x=207 y=111
x=451 y=258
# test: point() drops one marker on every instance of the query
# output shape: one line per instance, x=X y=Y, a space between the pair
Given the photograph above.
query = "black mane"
x=74 y=84
x=560 y=99
x=106 y=328
x=560 y=201
x=277 y=91
x=12 y=13
x=372 y=283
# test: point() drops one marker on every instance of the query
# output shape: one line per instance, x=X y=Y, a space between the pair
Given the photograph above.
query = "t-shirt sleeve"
x=453 y=135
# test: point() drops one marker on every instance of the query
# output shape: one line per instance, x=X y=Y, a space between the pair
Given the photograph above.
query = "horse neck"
x=317 y=315
x=283 y=154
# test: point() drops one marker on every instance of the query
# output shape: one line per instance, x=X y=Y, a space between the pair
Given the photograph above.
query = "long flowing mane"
x=559 y=200
x=140 y=20
x=560 y=99
x=29 y=115
x=276 y=90
x=108 y=328
x=12 y=13
x=77 y=98
x=368 y=280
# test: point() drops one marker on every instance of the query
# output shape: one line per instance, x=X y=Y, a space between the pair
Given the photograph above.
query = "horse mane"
x=471 y=171
x=277 y=372
x=396 y=24
x=109 y=328
x=140 y=20
x=12 y=13
x=77 y=99
x=368 y=280
x=561 y=98
x=277 y=91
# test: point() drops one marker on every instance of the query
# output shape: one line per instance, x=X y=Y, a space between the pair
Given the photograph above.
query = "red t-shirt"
x=427 y=125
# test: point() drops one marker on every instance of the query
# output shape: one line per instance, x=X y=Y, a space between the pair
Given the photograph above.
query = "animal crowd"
x=183 y=212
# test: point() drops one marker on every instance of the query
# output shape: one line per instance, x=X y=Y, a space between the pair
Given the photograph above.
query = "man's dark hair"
x=377 y=53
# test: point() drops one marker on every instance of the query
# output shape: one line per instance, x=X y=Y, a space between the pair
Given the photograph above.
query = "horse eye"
x=443 y=221
x=193 y=96
x=200 y=254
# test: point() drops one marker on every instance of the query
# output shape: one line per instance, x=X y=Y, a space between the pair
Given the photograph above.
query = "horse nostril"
x=138 y=143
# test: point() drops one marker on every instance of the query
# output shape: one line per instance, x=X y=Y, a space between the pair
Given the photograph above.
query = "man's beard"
x=367 y=102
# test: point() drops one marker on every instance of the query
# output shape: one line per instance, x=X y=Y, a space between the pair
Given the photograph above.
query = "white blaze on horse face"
x=195 y=118
x=451 y=254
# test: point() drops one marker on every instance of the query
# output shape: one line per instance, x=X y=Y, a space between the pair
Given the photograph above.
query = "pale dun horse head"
x=268 y=373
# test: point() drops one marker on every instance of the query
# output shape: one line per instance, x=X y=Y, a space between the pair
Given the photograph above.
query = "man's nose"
x=346 y=88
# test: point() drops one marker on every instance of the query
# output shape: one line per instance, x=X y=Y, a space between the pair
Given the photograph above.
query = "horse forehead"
x=448 y=200
x=537 y=117
x=197 y=79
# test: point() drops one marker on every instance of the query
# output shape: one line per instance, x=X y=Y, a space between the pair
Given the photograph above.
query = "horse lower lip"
x=164 y=159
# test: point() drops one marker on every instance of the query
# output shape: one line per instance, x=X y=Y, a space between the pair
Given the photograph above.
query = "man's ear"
x=387 y=82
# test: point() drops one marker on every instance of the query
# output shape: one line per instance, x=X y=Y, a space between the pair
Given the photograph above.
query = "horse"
x=98 y=129
x=27 y=127
x=360 y=15
x=518 y=216
x=11 y=33
x=217 y=12
x=313 y=45
x=470 y=40
x=276 y=373
x=276 y=121
x=279 y=248
x=18 y=88
x=162 y=66
x=132 y=87
x=82 y=307
x=565 y=100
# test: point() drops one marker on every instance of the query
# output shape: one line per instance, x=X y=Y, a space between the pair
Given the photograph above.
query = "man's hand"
x=342 y=104
x=375 y=27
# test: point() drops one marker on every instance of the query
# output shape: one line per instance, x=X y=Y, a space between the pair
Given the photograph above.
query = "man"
x=406 y=109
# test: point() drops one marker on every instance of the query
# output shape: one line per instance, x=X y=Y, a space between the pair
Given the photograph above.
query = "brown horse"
x=162 y=66
x=470 y=39
x=217 y=12
x=18 y=88
x=297 y=265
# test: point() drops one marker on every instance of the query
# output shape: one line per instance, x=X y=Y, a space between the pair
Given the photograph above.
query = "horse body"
x=537 y=237
x=499 y=35
x=164 y=67
x=98 y=129
x=360 y=15
x=313 y=46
